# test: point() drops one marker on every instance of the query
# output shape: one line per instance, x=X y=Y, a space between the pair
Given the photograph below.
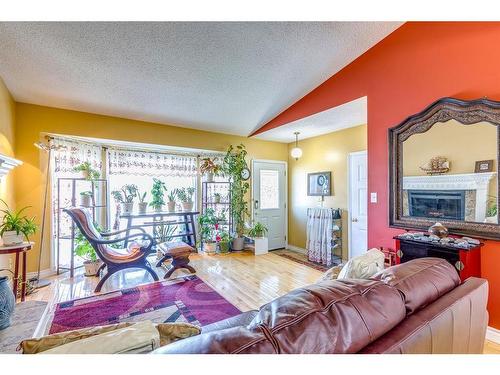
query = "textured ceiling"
x=348 y=115
x=229 y=77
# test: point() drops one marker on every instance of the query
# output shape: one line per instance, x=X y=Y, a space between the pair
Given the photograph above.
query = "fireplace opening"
x=439 y=204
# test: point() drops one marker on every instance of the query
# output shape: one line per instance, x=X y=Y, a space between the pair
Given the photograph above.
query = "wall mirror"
x=444 y=167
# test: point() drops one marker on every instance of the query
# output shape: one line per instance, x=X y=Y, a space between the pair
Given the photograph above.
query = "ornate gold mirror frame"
x=463 y=111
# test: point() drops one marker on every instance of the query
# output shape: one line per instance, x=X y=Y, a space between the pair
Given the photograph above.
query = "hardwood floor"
x=245 y=280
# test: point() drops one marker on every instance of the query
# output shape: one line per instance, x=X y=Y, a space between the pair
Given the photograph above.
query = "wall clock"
x=245 y=174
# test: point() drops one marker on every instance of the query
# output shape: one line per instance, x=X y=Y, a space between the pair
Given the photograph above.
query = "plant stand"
x=221 y=207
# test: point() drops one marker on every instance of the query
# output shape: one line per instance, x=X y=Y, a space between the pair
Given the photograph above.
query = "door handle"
x=256 y=204
x=354 y=220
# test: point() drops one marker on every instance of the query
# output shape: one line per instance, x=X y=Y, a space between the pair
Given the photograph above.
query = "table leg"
x=23 y=284
x=16 y=276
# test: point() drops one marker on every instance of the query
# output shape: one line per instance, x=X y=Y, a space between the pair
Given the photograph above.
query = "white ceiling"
x=229 y=77
x=348 y=115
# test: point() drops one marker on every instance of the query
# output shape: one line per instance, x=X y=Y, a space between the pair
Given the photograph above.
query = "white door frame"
x=349 y=213
x=285 y=163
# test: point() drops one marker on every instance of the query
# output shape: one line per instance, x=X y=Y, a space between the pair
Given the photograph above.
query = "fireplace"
x=439 y=204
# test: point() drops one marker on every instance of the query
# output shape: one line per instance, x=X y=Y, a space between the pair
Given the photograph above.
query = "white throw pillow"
x=363 y=266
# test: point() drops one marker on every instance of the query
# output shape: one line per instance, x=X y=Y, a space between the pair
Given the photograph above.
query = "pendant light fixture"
x=296 y=151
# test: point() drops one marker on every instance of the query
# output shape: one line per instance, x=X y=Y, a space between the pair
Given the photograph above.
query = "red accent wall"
x=415 y=65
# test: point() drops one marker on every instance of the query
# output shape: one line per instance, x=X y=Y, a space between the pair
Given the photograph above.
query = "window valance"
x=70 y=154
x=151 y=163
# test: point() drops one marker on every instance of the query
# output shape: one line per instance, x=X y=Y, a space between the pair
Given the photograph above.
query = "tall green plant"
x=157 y=192
x=233 y=164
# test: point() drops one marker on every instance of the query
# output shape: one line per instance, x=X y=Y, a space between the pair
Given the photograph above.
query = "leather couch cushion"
x=339 y=316
x=420 y=281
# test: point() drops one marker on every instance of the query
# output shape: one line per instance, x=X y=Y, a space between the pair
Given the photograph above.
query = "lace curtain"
x=320 y=235
x=69 y=154
x=151 y=164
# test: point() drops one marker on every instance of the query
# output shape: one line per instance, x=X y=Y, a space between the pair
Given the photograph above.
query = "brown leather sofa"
x=415 y=307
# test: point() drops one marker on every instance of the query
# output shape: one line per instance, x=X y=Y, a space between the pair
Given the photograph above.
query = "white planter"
x=209 y=177
x=127 y=208
x=210 y=247
x=171 y=206
x=91 y=267
x=187 y=206
x=143 y=207
x=261 y=245
x=85 y=200
x=12 y=238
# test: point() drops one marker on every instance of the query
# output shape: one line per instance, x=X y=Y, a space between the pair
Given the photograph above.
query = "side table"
x=20 y=250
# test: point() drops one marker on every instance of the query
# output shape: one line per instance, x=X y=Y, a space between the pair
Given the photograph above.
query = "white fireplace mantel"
x=467 y=181
x=7 y=163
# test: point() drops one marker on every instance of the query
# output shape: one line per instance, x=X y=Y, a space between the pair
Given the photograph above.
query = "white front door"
x=269 y=200
x=358 y=204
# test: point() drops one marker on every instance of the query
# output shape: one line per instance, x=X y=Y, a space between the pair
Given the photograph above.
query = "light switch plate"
x=373 y=197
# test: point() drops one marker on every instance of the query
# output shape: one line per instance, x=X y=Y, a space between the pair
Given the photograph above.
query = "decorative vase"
x=238 y=243
x=7 y=302
x=187 y=206
x=224 y=247
x=439 y=230
x=209 y=177
x=92 y=267
x=127 y=208
x=143 y=206
x=171 y=206
x=11 y=237
x=85 y=200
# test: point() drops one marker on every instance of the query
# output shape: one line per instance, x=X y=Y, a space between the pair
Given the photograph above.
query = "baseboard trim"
x=43 y=274
x=493 y=334
x=296 y=248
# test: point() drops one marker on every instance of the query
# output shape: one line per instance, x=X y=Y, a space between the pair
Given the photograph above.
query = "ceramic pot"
x=7 y=302
x=209 y=177
x=127 y=208
x=85 y=200
x=143 y=206
x=187 y=206
x=12 y=238
x=92 y=267
x=238 y=243
x=171 y=206
x=438 y=230
x=85 y=174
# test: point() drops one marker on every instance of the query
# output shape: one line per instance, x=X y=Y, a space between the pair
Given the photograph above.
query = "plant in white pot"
x=86 y=198
x=16 y=228
x=126 y=196
x=208 y=226
x=87 y=171
x=85 y=250
x=257 y=233
x=185 y=195
x=143 y=205
x=171 y=200
x=209 y=169
x=233 y=166
x=158 y=192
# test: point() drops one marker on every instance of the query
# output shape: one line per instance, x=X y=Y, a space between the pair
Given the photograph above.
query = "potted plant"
x=208 y=226
x=88 y=172
x=171 y=200
x=158 y=192
x=217 y=198
x=209 y=169
x=233 y=165
x=84 y=249
x=224 y=239
x=143 y=205
x=16 y=228
x=86 y=198
x=185 y=195
x=126 y=196
x=257 y=233
x=491 y=211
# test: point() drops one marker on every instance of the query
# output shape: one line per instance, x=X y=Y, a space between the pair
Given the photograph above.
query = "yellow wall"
x=32 y=121
x=7 y=120
x=328 y=152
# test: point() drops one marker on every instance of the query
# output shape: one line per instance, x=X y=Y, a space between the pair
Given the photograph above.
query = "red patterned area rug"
x=186 y=299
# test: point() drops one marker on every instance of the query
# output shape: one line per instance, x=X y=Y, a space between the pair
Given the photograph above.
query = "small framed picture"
x=319 y=184
x=484 y=166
